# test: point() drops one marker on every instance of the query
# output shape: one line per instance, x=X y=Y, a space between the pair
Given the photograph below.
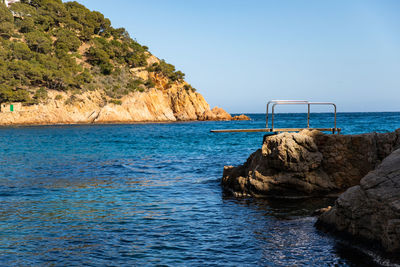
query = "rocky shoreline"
x=155 y=105
x=370 y=211
x=308 y=163
x=365 y=167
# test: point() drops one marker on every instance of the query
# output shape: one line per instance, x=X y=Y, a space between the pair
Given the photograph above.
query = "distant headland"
x=62 y=63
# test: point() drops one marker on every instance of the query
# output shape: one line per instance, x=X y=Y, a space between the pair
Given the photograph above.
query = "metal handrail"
x=278 y=130
x=296 y=102
x=281 y=101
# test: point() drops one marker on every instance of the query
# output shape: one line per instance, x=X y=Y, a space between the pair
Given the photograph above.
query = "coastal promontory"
x=62 y=63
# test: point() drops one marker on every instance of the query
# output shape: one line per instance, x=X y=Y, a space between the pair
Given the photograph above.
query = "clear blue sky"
x=239 y=54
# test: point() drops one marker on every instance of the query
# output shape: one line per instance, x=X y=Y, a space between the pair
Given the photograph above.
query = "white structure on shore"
x=9 y=2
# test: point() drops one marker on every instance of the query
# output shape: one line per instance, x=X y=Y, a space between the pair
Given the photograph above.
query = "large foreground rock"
x=308 y=163
x=371 y=210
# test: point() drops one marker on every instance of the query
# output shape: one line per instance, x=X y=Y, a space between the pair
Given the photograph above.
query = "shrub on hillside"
x=40 y=43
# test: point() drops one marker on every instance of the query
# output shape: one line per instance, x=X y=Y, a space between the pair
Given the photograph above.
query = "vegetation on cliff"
x=48 y=44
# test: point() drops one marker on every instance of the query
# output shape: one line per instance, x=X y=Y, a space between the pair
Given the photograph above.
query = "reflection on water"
x=150 y=194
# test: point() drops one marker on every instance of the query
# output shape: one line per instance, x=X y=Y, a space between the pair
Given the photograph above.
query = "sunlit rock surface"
x=155 y=105
x=308 y=163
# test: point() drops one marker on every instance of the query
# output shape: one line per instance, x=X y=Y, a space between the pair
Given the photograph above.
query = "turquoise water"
x=149 y=194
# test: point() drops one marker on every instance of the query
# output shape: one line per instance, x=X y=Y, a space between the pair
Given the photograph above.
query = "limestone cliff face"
x=106 y=78
x=166 y=101
x=308 y=163
x=154 y=105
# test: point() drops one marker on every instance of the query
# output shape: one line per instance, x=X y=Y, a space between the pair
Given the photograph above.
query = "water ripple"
x=149 y=194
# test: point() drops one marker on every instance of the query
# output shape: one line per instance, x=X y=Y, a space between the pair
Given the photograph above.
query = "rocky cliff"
x=371 y=210
x=153 y=105
x=166 y=101
x=63 y=63
x=308 y=163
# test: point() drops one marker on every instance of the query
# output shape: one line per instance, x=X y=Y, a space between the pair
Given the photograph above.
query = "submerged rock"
x=308 y=163
x=370 y=210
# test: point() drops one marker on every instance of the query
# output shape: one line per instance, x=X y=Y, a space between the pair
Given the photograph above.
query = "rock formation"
x=85 y=71
x=308 y=163
x=151 y=106
x=166 y=102
x=371 y=210
x=240 y=118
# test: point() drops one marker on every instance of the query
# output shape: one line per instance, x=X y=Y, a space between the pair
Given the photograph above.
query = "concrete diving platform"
x=276 y=130
x=272 y=129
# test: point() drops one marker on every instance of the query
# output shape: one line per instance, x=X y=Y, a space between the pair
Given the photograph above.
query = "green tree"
x=5 y=14
x=25 y=25
x=6 y=29
x=39 y=42
x=7 y=94
x=97 y=56
x=21 y=51
x=167 y=70
x=6 y=22
x=25 y=19
x=66 y=41
x=45 y=54
x=40 y=95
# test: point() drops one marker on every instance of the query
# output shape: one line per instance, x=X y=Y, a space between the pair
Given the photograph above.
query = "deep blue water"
x=149 y=194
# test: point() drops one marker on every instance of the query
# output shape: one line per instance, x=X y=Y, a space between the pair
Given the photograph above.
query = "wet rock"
x=370 y=210
x=322 y=210
x=308 y=163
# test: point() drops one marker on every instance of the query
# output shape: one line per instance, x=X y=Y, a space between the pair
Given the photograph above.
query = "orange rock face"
x=221 y=114
x=241 y=118
x=166 y=102
x=155 y=105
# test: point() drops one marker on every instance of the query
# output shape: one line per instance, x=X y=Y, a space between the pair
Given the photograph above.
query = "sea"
x=150 y=194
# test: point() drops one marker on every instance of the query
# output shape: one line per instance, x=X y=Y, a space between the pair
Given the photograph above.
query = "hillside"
x=62 y=63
